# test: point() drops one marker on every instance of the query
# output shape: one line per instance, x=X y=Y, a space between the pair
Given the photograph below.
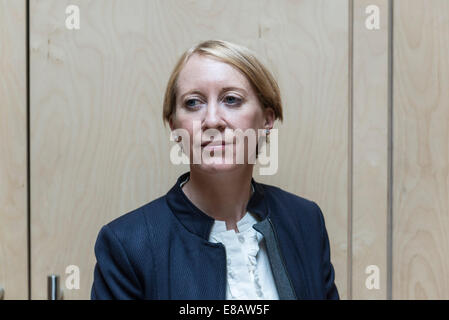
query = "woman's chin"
x=222 y=162
x=218 y=165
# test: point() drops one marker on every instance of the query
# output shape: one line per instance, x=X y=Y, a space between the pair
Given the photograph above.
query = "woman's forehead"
x=202 y=73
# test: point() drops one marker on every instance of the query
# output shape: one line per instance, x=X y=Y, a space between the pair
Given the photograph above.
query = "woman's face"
x=214 y=95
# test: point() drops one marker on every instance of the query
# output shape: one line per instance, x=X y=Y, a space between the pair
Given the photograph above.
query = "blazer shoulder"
x=135 y=222
x=124 y=250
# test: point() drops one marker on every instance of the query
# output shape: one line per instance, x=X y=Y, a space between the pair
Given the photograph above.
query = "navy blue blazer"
x=161 y=249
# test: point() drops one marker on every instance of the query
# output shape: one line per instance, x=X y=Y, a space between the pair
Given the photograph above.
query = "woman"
x=218 y=234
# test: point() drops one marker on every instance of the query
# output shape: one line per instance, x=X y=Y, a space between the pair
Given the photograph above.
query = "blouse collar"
x=245 y=223
x=199 y=223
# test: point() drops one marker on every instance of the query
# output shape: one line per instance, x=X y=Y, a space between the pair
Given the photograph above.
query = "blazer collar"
x=195 y=220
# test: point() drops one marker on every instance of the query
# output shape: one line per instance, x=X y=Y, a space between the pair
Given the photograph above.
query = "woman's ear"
x=269 y=118
x=170 y=122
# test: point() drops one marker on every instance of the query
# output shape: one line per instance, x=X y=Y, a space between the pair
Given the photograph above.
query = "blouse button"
x=241 y=239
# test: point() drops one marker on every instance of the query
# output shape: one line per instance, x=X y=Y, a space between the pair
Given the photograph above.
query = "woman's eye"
x=191 y=103
x=232 y=100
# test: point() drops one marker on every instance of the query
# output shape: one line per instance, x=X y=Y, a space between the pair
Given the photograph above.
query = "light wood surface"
x=421 y=150
x=98 y=145
x=13 y=151
x=370 y=150
x=99 y=148
x=305 y=44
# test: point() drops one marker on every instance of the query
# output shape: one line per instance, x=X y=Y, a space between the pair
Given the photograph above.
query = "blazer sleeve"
x=114 y=277
x=331 y=292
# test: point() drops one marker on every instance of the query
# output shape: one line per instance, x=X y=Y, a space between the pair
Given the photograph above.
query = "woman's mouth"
x=213 y=145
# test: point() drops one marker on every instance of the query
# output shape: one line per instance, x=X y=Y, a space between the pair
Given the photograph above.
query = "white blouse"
x=249 y=275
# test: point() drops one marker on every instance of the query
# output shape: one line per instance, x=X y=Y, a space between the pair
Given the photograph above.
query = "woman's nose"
x=213 y=117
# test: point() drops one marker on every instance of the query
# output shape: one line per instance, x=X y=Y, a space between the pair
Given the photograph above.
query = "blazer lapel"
x=281 y=278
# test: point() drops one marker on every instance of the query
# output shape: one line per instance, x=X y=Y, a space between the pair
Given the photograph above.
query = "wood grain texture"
x=13 y=150
x=370 y=150
x=306 y=45
x=421 y=150
x=98 y=145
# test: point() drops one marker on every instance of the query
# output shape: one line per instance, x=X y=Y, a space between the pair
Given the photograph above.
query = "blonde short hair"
x=262 y=81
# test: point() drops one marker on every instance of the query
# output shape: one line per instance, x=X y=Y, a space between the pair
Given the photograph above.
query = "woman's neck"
x=223 y=196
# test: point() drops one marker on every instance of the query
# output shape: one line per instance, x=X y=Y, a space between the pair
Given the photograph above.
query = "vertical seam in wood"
x=27 y=54
x=390 y=154
x=350 y=143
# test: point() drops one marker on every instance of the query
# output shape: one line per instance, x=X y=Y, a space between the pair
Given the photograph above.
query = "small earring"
x=267 y=138
x=178 y=139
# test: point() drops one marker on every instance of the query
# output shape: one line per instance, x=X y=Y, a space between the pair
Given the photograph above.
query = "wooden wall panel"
x=370 y=150
x=306 y=44
x=98 y=145
x=421 y=150
x=13 y=150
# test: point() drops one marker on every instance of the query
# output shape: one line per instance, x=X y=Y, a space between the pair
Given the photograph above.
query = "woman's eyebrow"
x=221 y=91
x=234 y=88
x=191 y=91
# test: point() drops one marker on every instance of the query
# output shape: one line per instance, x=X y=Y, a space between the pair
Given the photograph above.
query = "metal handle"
x=2 y=293
x=54 y=291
